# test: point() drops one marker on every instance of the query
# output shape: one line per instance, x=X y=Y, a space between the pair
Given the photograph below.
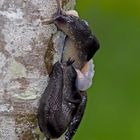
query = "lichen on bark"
x=24 y=41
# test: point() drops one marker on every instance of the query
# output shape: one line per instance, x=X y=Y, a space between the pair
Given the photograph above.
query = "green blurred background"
x=113 y=108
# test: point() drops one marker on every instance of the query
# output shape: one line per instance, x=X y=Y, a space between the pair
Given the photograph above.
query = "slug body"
x=60 y=103
x=80 y=43
x=63 y=102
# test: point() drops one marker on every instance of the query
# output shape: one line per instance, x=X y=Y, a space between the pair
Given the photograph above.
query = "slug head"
x=69 y=71
x=56 y=70
x=66 y=69
x=69 y=23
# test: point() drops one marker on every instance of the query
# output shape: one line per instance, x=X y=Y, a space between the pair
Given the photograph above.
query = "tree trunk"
x=24 y=43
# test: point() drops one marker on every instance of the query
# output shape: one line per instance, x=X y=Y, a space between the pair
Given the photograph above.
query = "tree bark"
x=24 y=43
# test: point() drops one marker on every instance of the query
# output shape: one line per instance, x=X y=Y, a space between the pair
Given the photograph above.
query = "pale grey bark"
x=24 y=42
